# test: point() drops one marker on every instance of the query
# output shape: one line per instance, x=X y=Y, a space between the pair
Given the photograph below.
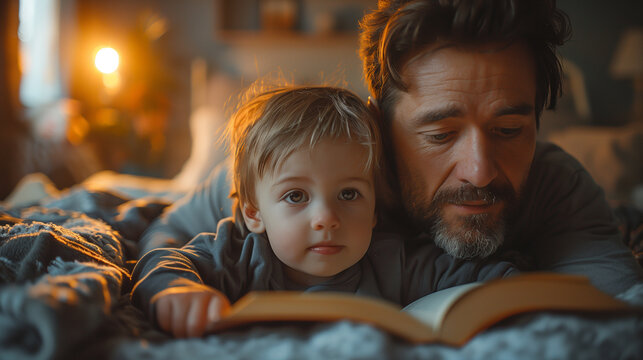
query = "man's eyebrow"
x=437 y=115
x=521 y=109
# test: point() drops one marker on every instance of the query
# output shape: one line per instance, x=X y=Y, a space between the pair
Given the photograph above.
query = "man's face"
x=464 y=136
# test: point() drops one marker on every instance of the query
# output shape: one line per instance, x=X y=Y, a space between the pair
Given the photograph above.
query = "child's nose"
x=325 y=218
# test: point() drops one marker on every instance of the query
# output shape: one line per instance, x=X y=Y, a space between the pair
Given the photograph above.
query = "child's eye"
x=348 y=194
x=295 y=197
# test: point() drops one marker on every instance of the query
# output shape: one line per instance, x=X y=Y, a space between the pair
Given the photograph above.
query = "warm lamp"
x=628 y=63
x=106 y=60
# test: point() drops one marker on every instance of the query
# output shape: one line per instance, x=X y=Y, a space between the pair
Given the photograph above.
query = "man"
x=460 y=86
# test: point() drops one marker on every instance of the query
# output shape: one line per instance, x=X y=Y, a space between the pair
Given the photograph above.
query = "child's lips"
x=326 y=249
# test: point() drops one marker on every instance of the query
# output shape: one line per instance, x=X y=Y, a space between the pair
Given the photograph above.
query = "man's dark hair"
x=399 y=29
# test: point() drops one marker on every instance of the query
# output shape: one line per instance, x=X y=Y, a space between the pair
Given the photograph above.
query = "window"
x=38 y=33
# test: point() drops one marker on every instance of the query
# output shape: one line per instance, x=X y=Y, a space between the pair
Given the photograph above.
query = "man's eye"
x=348 y=194
x=439 y=138
x=295 y=197
x=508 y=131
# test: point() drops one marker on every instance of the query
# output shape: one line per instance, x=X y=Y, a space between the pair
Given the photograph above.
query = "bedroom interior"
x=144 y=117
x=183 y=62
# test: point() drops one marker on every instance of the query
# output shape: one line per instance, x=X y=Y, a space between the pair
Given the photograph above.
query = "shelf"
x=286 y=38
x=307 y=23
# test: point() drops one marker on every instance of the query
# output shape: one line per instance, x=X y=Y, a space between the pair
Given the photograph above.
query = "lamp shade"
x=628 y=59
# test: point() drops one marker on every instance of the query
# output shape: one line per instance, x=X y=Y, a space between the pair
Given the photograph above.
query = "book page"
x=431 y=309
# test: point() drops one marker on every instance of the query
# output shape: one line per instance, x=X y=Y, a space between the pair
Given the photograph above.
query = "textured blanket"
x=63 y=266
x=531 y=336
x=63 y=294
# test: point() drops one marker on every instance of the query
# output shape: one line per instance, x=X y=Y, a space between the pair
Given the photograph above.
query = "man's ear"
x=253 y=220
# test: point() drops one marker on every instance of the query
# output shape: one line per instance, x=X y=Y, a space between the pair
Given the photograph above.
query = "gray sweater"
x=564 y=222
x=235 y=266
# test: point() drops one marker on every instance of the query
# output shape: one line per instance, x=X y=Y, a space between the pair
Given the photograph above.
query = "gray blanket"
x=64 y=284
x=531 y=336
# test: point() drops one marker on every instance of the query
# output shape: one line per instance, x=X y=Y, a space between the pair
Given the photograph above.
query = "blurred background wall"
x=181 y=62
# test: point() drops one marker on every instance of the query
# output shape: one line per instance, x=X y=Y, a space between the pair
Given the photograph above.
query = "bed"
x=65 y=259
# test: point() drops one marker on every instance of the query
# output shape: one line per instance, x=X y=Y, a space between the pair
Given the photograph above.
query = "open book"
x=451 y=316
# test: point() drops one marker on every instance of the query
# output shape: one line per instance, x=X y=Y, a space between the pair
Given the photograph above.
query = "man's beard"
x=473 y=236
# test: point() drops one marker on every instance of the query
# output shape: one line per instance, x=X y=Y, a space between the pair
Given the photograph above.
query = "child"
x=304 y=174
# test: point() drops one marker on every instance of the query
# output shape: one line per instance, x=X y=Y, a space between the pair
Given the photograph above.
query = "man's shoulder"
x=397 y=245
x=383 y=241
x=558 y=193
x=551 y=157
x=556 y=173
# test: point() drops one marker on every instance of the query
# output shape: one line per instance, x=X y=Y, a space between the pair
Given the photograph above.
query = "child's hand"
x=189 y=312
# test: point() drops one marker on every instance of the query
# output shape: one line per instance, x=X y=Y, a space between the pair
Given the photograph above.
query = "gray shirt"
x=236 y=265
x=564 y=223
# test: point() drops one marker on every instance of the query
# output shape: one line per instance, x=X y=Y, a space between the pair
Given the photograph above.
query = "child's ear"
x=374 y=219
x=253 y=220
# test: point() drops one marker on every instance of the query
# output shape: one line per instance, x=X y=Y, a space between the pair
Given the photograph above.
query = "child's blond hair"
x=270 y=126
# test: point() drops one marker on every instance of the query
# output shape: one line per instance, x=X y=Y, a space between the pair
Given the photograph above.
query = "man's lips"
x=475 y=203
x=326 y=249
x=476 y=206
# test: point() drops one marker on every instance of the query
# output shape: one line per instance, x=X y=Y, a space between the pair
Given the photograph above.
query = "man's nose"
x=476 y=160
x=324 y=218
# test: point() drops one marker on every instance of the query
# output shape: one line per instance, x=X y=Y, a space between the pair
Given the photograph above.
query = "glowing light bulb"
x=106 y=60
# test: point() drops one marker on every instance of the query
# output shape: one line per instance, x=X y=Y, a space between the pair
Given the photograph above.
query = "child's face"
x=318 y=210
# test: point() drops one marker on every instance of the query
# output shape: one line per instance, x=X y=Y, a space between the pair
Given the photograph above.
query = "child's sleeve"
x=165 y=268
x=228 y=262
